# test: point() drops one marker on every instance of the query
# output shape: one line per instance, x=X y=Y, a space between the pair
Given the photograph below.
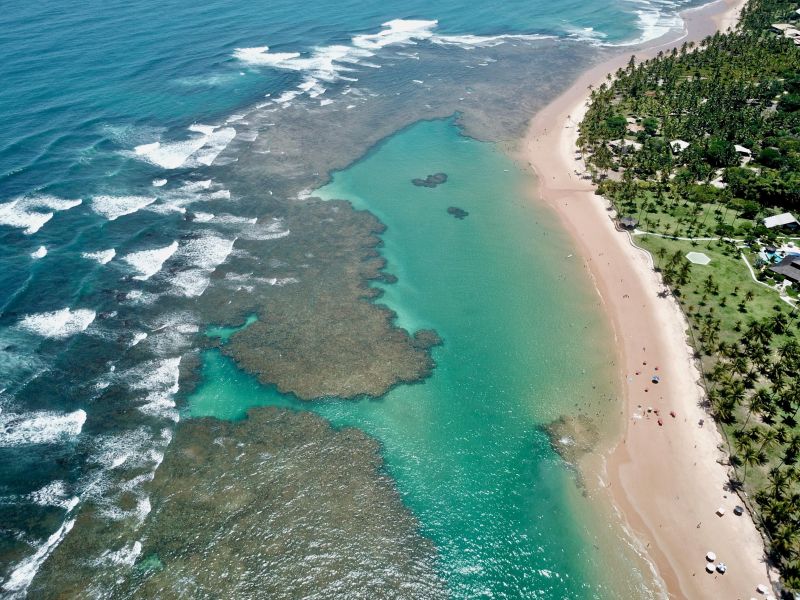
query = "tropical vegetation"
x=699 y=145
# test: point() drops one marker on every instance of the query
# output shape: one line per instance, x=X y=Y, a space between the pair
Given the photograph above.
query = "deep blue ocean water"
x=88 y=91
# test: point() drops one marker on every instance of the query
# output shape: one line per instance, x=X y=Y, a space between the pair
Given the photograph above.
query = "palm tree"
x=750 y=457
x=779 y=482
x=757 y=403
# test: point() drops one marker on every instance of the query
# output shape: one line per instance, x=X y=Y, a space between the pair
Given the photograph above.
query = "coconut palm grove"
x=698 y=150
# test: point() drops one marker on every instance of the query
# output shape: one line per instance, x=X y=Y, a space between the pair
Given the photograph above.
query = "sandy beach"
x=668 y=481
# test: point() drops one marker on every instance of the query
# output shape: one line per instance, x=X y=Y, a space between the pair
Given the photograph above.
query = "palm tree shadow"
x=734 y=486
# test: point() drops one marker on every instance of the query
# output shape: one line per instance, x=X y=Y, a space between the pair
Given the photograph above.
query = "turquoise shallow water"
x=465 y=446
x=102 y=271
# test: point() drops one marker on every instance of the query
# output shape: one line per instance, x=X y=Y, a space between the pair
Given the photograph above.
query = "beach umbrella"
x=711 y=557
x=761 y=588
x=722 y=567
x=710 y=567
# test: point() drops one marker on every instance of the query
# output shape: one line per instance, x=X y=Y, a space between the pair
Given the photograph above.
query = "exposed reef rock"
x=426 y=338
x=431 y=181
x=573 y=437
x=319 y=334
x=458 y=213
x=306 y=513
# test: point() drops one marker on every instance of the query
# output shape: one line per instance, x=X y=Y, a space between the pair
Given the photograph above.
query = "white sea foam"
x=30 y=213
x=54 y=494
x=335 y=62
x=59 y=323
x=248 y=278
x=24 y=572
x=101 y=256
x=247 y=136
x=159 y=182
x=131 y=448
x=233 y=220
x=654 y=23
x=114 y=207
x=216 y=142
x=149 y=262
x=42 y=427
x=203 y=254
x=140 y=297
x=138 y=337
x=157 y=376
x=270 y=230
x=396 y=31
x=126 y=555
x=40 y=252
x=197 y=150
x=159 y=379
x=194 y=191
x=323 y=63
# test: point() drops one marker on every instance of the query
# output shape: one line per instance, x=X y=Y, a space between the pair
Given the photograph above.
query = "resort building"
x=621 y=146
x=789 y=267
x=628 y=223
x=782 y=221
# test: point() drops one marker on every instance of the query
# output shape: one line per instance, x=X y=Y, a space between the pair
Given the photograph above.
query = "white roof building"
x=679 y=145
x=780 y=221
x=625 y=145
x=742 y=150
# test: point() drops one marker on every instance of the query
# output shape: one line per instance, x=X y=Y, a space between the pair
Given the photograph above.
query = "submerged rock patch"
x=430 y=181
x=320 y=335
x=279 y=505
x=458 y=213
x=573 y=436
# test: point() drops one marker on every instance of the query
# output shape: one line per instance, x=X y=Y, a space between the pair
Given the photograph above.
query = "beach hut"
x=761 y=588
x=710 y=567
x=720 y=512
x=711 y=557
x=628 y=223
x=721 y=568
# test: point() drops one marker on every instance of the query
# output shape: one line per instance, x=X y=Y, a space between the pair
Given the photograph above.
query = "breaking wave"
x=201 y=149
x=59 y=323
x=30 y=213
x=39 y=427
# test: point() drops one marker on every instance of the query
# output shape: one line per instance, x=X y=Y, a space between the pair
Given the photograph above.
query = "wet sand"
x=668 y=480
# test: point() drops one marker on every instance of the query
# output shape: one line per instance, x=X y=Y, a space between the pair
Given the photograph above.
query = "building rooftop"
x=679 y=145
x=789 y=267
x=625 y=144
x=780 y=220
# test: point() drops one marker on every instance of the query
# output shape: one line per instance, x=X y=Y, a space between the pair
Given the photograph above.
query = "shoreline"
x=665 y=481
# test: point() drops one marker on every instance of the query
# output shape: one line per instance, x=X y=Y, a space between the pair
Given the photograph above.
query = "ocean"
x=205 y=209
